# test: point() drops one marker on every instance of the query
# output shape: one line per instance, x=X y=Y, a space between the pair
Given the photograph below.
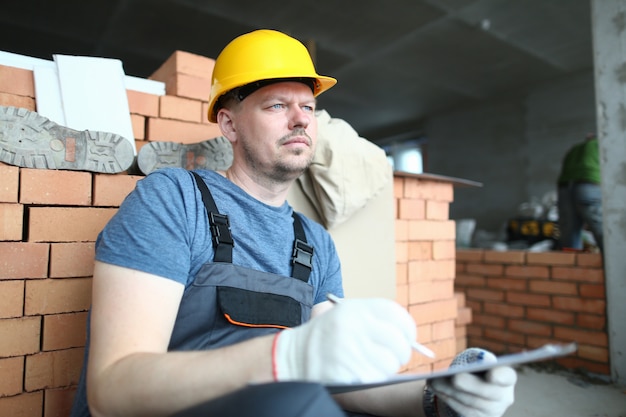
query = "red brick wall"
x=425 y=268
x=49 y=221
x=523 y=300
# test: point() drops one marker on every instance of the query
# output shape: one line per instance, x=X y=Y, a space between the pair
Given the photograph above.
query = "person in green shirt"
x=579 y=194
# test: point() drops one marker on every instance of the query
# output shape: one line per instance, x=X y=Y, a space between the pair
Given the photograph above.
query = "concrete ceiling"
x=397 y=61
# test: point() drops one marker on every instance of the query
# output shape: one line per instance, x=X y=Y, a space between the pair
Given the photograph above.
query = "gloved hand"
x=470 y=395
x=359 y=340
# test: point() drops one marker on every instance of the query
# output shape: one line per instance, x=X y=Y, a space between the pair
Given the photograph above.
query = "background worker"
x=580 y=195
x=208 y=287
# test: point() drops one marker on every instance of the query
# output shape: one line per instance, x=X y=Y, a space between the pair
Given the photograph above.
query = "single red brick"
x=524 y=271
x=179 y=108
x=52 y=296
x=11 y=221
x=484 y=269
x=183 y=85
x=431 y=230
x=27 y=404
x=402 y=230
x=591 y=321
x=464 y=316
x=59 y=402
x=17 y=81
x=420 y=250
x=529 y=327
x=503 y=310
x=592 y=306
x=485 y=294
x=421 y=292
x=549 y=315
x=507 y=257
x=165 y=130
x=525 y=299
x=469 y=280
x=111 y=190
x=431 y=270
x=443 y=330
x=205 y=112
x=444 y=249
x=471 y=255
x=54 y=369
x=19 y=336
x=12 y=371
x=429 y=190
x=434 y=311
x=143 y=104
x=411 y=209
x=589 y=275
x=507 y=283
x=552 y=287
x=23 y=260
x=10 y=183
x=398 y=187
x=67 y=224
x=74 y=259
x=551 y=258
x=437 y=210
x=594 y=338
x=139 y=127
x=402 y=295
x=402 y=252
x=504 y=336
x=62 y=331
x=590 y=260
x=402 y=274
x=11 y=298
x=57 y=187
x=181 y=62
x=12 y=100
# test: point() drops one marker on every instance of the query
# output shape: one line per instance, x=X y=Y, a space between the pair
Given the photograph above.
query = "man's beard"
x=281 y=170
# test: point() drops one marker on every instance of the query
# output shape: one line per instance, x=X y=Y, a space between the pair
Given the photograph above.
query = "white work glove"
x=470 y=395
x=360 y=340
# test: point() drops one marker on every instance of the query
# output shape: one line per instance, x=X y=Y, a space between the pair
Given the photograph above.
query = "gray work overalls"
x=227 y=303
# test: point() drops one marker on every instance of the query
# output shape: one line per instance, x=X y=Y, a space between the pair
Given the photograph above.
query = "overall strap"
x=222 y=238
x=302 y=255
x=223 y=243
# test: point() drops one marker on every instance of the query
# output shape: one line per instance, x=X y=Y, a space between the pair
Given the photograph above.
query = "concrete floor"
x=549 y=393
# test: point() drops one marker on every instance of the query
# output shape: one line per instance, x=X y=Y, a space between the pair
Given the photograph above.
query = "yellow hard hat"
x=262 y=55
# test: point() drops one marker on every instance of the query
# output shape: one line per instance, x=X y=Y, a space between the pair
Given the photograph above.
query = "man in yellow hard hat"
x=210 y=292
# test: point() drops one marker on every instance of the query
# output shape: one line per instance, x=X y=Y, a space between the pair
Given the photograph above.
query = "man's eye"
x=308 y=109
x=278 y=106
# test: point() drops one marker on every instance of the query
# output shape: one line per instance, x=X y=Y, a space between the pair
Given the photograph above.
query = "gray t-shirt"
x=162 y=228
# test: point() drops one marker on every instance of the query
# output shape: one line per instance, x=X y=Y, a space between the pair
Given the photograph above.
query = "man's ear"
x=227 y=124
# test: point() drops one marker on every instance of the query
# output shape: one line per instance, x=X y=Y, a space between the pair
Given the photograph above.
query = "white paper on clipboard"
x=548 y=351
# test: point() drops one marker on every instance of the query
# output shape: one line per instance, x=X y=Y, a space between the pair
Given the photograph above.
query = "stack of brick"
x=524 y=300
x=425 y=267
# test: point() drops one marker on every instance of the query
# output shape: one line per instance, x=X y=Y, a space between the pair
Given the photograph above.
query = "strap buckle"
x=302 y=254
x=220 y=229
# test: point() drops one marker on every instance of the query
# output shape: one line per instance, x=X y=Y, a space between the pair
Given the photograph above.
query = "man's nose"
x=298 y=117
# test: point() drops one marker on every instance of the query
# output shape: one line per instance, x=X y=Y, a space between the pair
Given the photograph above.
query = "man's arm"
x=130 y=372
x=397 y=400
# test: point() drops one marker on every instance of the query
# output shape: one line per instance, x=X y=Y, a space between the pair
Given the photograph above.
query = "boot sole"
x=30 y=140
x=213 y=154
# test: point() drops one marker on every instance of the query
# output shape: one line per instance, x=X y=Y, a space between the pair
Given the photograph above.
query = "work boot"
x=30 y=140
x=214 y=154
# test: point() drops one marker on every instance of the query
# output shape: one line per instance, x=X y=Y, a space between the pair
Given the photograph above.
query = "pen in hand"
x=414 y=344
